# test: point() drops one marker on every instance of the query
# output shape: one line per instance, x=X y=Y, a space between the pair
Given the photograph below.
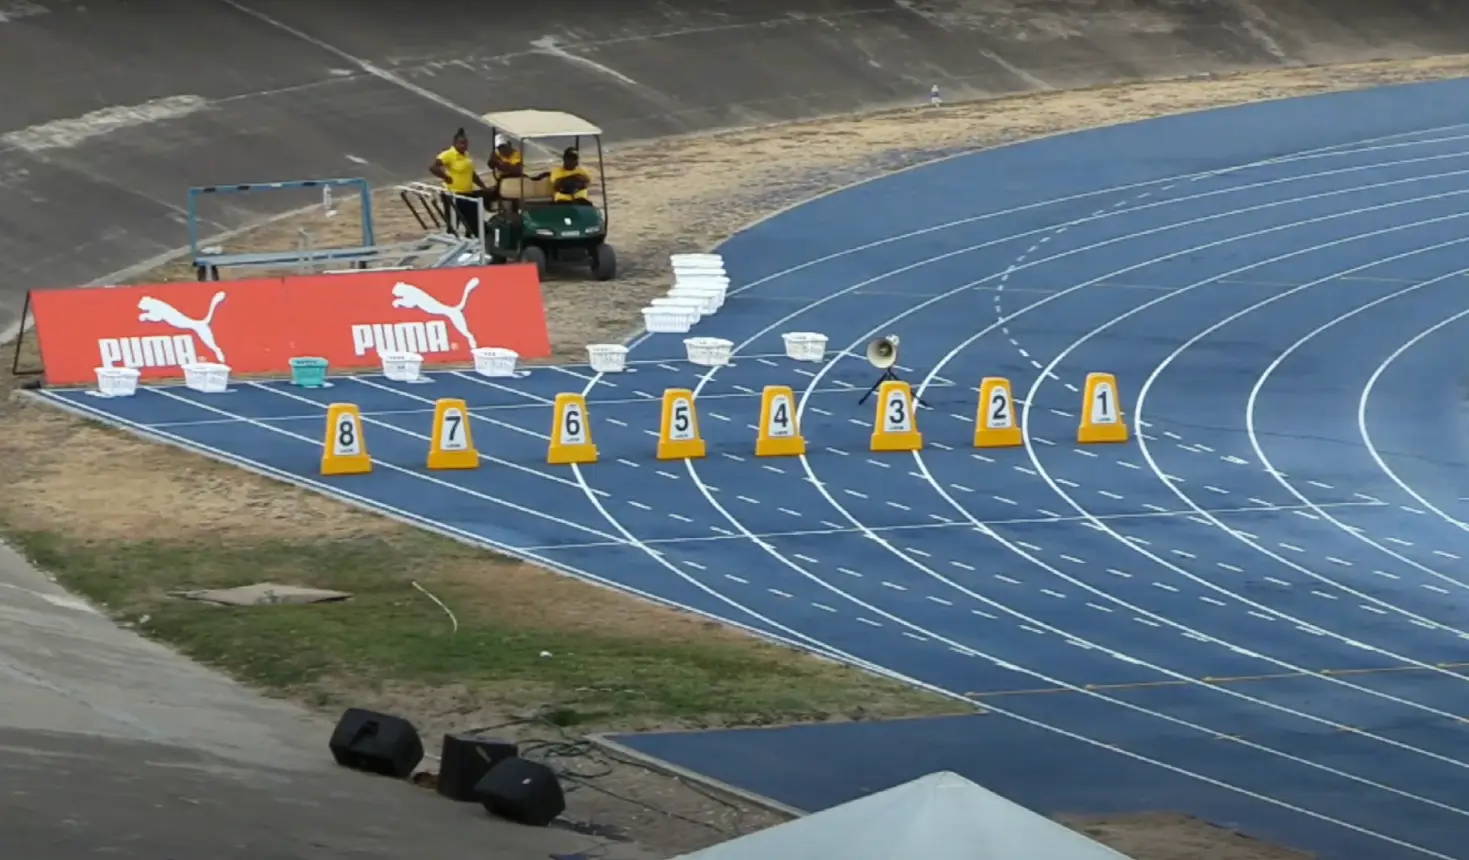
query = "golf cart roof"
x=533 y=124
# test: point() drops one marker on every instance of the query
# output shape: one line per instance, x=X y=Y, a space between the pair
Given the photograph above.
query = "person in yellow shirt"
x=455 y=169
x=506 y=161
x=571 y=183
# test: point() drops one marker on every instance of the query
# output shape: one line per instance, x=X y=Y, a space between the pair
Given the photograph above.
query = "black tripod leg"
x=887 y=376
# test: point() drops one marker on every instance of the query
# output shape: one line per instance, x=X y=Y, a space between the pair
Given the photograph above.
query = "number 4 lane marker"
x=779 y=432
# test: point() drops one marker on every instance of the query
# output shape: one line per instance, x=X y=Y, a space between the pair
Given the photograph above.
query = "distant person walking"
x=455 y=168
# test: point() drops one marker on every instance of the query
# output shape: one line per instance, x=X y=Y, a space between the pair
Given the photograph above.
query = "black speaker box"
x=523 y=791
x=465 y=759
x=377 y=743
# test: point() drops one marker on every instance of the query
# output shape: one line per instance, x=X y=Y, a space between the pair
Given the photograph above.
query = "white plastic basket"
x=696 y=259
x=207 y=378
x=716 y=281
x=709 y=298
x=805 y=345
x=607 y=357
x=699 y=268
x=669 y=319
x=716 y=275
x=690 y=303
x=494 y=361
x=721 y=285
x=117 y=381
x=680 y=274
x=402 y=366
x=708 y=351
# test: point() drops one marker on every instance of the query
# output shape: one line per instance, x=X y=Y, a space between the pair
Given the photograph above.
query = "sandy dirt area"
x=135 y=489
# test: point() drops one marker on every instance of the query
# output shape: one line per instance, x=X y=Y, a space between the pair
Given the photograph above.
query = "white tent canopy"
x=942 y=816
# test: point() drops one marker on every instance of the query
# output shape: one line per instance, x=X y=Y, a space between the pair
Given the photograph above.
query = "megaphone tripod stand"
x=889 y=375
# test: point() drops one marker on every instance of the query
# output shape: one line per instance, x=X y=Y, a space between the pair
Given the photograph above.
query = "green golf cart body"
x=526 y=223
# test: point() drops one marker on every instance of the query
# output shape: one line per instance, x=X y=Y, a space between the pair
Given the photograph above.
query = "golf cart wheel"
x=532 y=254
x=604 y=262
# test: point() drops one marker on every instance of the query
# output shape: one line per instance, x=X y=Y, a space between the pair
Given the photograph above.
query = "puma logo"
x=406 y=295
x=159 y=311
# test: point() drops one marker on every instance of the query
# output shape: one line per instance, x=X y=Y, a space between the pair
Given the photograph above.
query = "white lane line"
x=1146 y=451
x=1366 y=434
x=1251 y=403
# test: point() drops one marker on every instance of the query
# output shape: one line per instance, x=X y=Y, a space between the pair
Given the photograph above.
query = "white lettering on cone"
x=423 y=338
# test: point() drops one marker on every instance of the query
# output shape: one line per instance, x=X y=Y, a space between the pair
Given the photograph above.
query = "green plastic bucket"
x=309 y=372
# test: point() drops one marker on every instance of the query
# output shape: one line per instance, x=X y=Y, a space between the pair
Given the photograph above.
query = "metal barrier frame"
x=364 y=194
x=435 y=219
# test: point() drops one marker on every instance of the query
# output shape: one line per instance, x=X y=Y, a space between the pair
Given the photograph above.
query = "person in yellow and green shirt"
x=454 y=167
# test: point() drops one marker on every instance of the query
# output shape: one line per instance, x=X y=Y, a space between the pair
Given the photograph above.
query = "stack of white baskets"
x=700 y=281
x=700 y=278
x=699 y=286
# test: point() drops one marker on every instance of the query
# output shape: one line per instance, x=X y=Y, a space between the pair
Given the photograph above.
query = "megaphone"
x=883 y=352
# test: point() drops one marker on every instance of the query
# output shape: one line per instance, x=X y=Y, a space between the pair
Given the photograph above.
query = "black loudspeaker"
x=376 y=743
x=523 y=791
x=464 y=761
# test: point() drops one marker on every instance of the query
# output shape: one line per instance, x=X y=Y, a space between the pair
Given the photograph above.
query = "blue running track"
x=1283 y=293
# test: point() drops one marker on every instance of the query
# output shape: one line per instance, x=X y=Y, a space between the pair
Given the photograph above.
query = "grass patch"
x=611 y=664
